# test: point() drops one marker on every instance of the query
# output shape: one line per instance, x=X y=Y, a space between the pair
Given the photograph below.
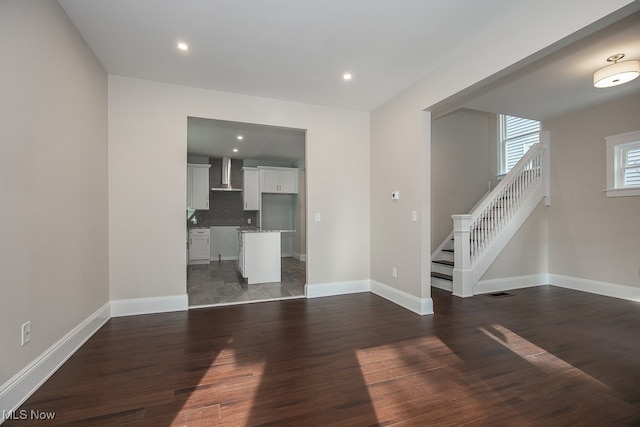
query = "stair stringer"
x=497 y=245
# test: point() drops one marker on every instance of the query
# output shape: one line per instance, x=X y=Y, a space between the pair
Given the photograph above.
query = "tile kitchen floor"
x=221 y=283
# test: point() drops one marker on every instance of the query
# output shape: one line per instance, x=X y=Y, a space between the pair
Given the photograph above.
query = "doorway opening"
x=245 y=213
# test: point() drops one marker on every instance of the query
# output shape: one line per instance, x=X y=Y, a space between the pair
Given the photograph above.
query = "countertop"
x=260 y=230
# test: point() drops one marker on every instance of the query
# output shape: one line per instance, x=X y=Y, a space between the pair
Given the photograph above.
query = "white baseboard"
x=224 y=258
x=336 y=288
x=596 y=287
x=22 y=385
x=130 y=307
x=508 y=283
x=420 y=306
x=445 y=285
x=300 y=257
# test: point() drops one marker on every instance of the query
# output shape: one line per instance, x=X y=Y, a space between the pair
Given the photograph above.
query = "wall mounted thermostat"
x=395 y=195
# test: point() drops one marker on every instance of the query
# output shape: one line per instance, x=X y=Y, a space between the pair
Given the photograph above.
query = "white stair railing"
x=479 y=231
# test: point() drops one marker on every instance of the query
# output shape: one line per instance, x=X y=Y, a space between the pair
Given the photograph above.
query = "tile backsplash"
x=225 y=207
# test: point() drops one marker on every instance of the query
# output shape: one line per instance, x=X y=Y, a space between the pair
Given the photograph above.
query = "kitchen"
x=246 y=212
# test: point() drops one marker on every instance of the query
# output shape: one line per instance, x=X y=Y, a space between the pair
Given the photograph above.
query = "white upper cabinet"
x=198 y=186
x=269 y=181
x=278 y=180
x=251 y=189
x=289 y=181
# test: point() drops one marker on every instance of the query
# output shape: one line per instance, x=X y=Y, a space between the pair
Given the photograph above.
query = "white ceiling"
x=560 y=82
x=218 y=138
x=297 y=50
x=285 y=49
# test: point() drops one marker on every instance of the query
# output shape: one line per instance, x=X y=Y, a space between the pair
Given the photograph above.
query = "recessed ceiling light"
x=347 y=76
x=183 y=46
x=240 y=137
x=235 y=150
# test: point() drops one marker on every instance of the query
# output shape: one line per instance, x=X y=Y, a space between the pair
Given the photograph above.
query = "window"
x=623 y=165
x=516 y=136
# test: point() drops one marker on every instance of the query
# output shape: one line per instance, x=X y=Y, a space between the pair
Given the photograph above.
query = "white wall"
x=300 y=216
x=278 y=213
x=401 y=135
x=460 y=165
x=147 y=134
x=53 y=180
x=591 y=236
x=526 y=254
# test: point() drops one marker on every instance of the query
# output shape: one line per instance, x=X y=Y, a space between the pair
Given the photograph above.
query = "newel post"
x=462 y=274
x=545 y=139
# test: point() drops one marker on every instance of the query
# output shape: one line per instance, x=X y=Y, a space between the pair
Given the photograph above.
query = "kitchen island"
x=259 y=254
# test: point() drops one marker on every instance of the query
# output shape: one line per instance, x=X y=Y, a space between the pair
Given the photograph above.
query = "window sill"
x=622 y=192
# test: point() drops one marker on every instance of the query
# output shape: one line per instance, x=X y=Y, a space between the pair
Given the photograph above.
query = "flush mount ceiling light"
x=183 y=46
x=617 y=73
x=240 y=137
x=235 y=150
x=347 y=76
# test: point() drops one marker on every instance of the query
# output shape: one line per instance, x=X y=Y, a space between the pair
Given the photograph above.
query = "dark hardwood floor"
x=542 y=357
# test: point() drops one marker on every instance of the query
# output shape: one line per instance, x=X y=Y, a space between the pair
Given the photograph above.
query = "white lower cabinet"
x=199 y=246
x=259 y=256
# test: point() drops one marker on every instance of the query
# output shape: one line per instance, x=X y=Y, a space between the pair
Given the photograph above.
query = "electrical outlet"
x=248 y=220
x=394 y=272
x=26 y=333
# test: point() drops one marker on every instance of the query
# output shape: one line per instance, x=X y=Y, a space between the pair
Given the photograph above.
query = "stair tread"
x=441 y=275
x=444 y=262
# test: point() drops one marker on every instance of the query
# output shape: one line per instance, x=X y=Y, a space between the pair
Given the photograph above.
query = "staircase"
x=442 y=263
x=479 y=236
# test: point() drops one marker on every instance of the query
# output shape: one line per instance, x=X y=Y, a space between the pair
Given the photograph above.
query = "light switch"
x=395 y=195
x=414 y=216
x=318 y=217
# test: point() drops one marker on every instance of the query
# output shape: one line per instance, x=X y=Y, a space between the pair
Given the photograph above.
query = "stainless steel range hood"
x=226 y=171
x=226 y=177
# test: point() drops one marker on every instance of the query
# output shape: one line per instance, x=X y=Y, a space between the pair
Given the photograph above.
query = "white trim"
x=300 y=257
x=22 y=385
x=447 y=241
x=418 y=305
x=613 y=144
x=317 y=290
x=496 y=246
x=449 y=238
x=130 y=307
x=509 y=283
x=614 y=290
x=445 y=285
x=410 y=302
x=224 y=258
x=225 y=304
x=622 y=192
